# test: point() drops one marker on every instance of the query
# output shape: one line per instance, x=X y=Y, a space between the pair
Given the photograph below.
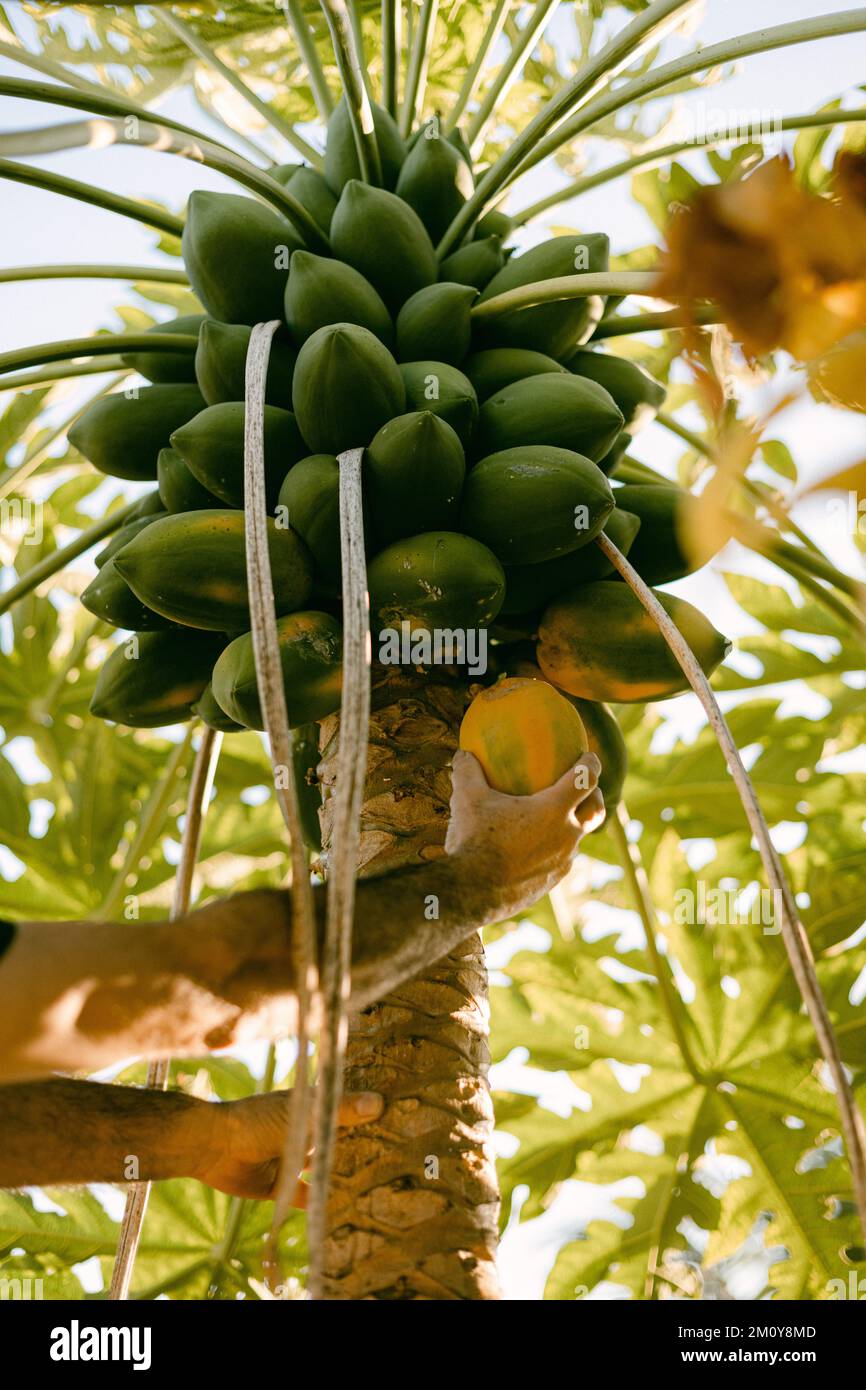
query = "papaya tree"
x=372 y=384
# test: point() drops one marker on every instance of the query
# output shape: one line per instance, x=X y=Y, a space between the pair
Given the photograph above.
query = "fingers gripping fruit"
x=524 y=733
x=604 y=738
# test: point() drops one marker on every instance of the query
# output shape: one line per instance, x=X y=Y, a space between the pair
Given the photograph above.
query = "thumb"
x=467 y=775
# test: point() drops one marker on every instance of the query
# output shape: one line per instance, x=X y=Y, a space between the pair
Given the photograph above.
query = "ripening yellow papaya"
x=524 y=733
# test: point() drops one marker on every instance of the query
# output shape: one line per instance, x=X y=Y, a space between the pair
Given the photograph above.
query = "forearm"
x=78 y=996
x=54 y=1132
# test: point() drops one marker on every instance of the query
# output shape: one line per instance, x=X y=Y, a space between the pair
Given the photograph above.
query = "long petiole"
x=467 y=89
x=99 y=345
x=419 y=58
x=649 y=159
x=310 y=54
x=645 y=27
x=152 y=135
x=207 y=55
x=58 y=559
x=355 y=90
x=146 y=213
x=158 y=275
x=744 y=45
x=509 y=72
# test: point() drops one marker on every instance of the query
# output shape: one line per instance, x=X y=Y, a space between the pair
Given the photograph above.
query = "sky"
x=41 y=227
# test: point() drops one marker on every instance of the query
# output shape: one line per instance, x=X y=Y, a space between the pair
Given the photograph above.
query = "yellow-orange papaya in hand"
x=524 y=733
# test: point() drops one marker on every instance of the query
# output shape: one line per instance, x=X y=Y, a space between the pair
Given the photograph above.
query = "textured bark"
x=414 y=1200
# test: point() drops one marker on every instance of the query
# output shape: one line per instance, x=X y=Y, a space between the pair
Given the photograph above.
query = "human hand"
x=238 y=1145
x=526 y=844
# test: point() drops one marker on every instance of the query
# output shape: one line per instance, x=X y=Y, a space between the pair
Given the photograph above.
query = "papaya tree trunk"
x=414 y=1201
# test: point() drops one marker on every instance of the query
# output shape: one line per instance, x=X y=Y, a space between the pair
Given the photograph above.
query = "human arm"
x=83 y=995
x=71 y=1132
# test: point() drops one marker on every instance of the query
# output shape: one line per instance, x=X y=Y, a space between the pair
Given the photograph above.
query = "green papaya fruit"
x=122 y=434
x=109 y=597
x=599 y=642
x=494 y=369
x=212 y=447
x=310 y=495
x=149 y=505
x=554 y=408
x=221 y=364
x=557 y=329
x=179 y=489
x=236 y=252
x=413 y=475
x=383 y=238
x=638 y=395
x=209 y=712
x=660 y=553
x=311 y=656
x=436 y=321
x=608 y=462
x=532 y=504
x=441 y=388
x=154 y=678
x=167 y=366
x=435 y=180
x=494 y=223
x=283 y=172
x=121 y=537
x=476 y=263
x=320 y=292
x=461 y=144
x=530 y=588
x=313 y=193
x=191 y=568
x=346 y=386
x=606 y=741
x=341 y=155
x=305 y=761
x=439 y=580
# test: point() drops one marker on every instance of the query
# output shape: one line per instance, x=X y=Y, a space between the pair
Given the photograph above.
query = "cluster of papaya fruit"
x=490 y=442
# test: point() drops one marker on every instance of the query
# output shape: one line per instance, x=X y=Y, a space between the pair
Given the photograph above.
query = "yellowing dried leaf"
x=787 y=268
x=838 y=377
